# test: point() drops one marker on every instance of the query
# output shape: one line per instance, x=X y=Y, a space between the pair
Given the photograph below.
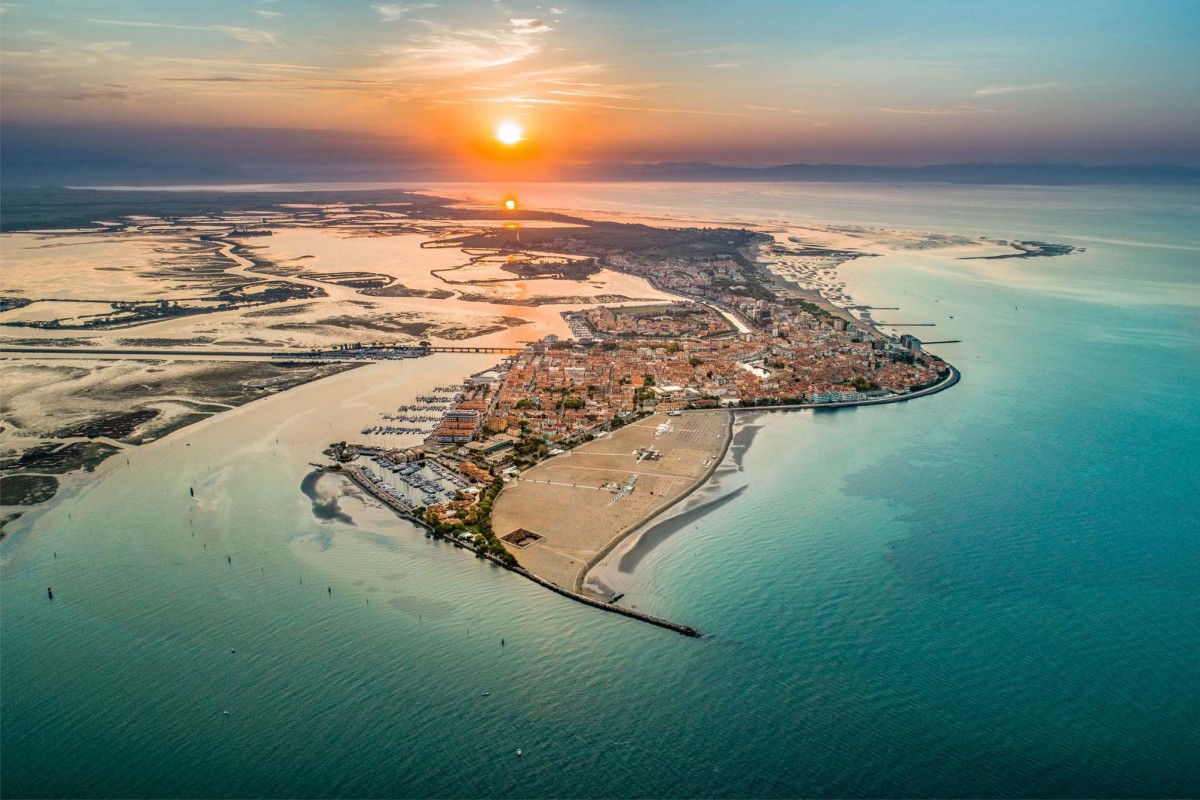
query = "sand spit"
x=585 y=501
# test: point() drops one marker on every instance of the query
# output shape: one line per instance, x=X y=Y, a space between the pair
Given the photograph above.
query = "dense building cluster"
x=670 y=321
x=740 y=339
x=559 y=390
x=724 y=278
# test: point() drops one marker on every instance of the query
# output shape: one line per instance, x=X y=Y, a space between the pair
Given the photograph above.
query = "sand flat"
x=572 y=502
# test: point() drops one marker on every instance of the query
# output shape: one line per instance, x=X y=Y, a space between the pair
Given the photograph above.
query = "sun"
x=509 y=133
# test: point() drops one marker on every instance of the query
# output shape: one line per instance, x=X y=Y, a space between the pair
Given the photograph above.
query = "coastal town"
x=576 y=437
x=506 y=399
x=652 y=318
x=560 y=390
x=639 y=392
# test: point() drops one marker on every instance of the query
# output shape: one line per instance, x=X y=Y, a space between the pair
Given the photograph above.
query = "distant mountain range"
x=33 y=154
x=1027 y=173
x=24 y=171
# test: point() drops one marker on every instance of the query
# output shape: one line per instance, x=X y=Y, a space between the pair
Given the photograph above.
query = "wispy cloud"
x=216 y=79
x=593 y=94
x=248 y=35
x=556 y=10
x=109 y=91
x=569 y=86
x=495 y=62
x=443 y=52
x=659 y=110
x=568 y=75
x=571 y=105
x=947 y=112
x=777 y=109
x=394 y=12
x=572 y=87
x=988 y=91
x=108 y=51
x=698 y=111
x=64 y=57
x=235 y=63
x=725 y=65
x=529 y=26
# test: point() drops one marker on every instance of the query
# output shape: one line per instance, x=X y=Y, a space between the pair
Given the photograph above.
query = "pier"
x=504 y=350
x=685 y=630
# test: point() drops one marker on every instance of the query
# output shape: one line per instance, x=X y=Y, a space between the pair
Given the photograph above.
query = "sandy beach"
x=580 y=505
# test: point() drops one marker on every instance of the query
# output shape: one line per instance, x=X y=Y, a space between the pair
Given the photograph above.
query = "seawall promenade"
x=952 y=377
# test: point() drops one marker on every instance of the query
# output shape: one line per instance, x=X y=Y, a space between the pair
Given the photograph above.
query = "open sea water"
x=994 y=591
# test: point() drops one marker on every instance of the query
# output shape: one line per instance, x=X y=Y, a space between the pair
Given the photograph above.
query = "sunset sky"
x=849 y=81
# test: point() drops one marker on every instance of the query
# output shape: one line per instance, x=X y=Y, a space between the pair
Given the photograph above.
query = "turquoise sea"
x=994 y=591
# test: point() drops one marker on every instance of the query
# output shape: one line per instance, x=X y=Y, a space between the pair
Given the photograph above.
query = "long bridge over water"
x=196 y=353
x=508 y=350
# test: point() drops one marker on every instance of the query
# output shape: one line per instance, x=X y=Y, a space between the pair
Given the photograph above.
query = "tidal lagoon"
x=986 y=592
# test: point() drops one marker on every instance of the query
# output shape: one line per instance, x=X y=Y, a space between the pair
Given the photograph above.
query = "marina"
x=414 y=484
x=426 y=412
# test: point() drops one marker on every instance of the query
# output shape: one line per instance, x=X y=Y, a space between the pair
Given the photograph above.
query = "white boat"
x=518 y=752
